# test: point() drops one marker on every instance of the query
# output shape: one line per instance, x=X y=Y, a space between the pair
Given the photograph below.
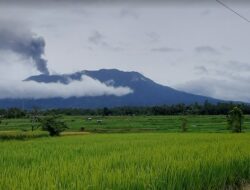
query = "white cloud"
x=157 y=26
x=225 y=89
x=86 y=87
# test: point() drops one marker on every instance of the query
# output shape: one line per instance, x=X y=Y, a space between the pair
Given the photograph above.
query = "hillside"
x=145 y=92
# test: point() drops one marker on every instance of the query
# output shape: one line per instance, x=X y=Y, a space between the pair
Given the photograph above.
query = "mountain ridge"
x=146 y=92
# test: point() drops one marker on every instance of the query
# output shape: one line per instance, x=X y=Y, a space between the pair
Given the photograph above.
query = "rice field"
x=132 y=123
x=173 y=161
x=21 y=135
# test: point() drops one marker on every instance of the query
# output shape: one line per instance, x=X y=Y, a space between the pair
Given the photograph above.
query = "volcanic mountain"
x=145 y=92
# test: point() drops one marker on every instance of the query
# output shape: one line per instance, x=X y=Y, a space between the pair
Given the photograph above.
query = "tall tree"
x=235 y=120
x=34 y=118
x=53 y=125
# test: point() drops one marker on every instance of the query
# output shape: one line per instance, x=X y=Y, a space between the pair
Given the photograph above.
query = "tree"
x=235 y=120
x=53 y=125
x=14 y=113
x=1 y=119
x=106 y=111
x=184 y=124
x=34 y=118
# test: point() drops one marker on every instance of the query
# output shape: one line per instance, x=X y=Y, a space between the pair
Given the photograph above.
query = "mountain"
x=145 y=92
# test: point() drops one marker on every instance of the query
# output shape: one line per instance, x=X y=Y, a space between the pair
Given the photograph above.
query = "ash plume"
x=25 y=43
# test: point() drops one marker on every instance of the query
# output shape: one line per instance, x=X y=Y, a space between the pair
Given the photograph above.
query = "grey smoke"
x=26 y=44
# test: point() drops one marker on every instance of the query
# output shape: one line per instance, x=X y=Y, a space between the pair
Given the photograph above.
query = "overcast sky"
x=202 y=48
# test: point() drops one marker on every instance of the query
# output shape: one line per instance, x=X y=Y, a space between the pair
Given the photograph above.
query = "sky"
x=195 y=46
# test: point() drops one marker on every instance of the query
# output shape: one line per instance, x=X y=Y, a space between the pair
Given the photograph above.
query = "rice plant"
x=127 y=161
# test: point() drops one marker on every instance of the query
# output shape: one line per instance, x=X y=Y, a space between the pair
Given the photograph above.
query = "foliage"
x=127 y=161
x=53 y=125
x=196 y=123
x=178 y=109
x=34 y=118
x=14 y=113
x=235 y=119
x=184 y=124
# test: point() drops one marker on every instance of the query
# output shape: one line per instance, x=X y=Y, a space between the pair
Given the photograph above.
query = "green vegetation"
x=235 y=120
x=127 y=161
x=132 y=123
x=206 y=156
x=184 y=124
x=178 y=109
x=52 y=124
x=17 y=135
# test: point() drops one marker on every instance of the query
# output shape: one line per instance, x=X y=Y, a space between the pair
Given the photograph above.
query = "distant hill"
x=146 y=92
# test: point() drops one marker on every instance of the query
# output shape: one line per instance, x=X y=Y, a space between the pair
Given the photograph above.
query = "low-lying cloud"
x=225 y=89
x=85 y=87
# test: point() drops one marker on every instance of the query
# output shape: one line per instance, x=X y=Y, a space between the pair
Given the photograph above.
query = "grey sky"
x=203 y=48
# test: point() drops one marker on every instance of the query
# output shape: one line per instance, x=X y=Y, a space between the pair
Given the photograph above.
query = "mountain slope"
x=146 y=92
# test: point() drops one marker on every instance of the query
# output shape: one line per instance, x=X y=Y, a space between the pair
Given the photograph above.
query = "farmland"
x=196 y=123
x=127 y=161
x=125 y=152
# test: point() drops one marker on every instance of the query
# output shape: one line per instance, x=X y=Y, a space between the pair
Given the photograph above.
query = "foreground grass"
x=127 y=161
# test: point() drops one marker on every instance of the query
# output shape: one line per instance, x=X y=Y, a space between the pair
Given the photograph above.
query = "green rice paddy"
x=207 y=157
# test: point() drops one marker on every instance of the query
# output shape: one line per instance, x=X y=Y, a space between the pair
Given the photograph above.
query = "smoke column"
x=26 y=44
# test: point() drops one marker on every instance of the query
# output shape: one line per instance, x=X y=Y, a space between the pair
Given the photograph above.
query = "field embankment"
x=22 y=135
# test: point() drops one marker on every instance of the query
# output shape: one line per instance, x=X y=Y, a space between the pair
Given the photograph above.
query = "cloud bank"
x=85 y=87
x=221 y=82
x=225 y=89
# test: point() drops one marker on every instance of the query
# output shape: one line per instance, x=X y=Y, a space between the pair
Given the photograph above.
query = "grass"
x=127 y=161
x=132 y=124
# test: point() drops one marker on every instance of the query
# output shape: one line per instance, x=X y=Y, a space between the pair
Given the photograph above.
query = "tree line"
x=178 y=109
